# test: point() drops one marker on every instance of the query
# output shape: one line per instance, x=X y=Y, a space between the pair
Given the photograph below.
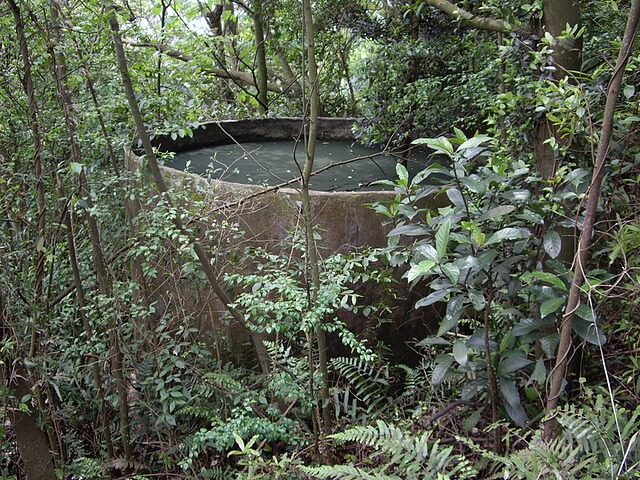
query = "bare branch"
x=237 y=76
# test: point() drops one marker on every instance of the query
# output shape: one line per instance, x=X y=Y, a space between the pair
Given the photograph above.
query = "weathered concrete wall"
x=255 y=130
x=266 y=214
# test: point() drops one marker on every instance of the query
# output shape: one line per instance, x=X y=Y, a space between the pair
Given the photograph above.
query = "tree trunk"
x=580 y=262
x=203 y=257
x=311 y=247
x=261 y=58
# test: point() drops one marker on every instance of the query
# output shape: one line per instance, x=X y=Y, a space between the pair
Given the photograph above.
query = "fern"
x=593 y=443
x=405 y=455
x=367 y=387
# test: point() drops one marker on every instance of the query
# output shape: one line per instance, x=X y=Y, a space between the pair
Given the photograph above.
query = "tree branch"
x=468 y=18
x=244 y=77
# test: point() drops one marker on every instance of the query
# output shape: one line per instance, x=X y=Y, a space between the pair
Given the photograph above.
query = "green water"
x=275 y=162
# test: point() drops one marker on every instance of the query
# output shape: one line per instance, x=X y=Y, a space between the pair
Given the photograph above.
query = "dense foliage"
x=127 y=352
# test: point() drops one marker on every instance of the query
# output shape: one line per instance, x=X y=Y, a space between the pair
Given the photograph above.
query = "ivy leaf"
x=508 y=233
x=551 y=306
x=442 y=238
x=460 y=352
x=552 y=243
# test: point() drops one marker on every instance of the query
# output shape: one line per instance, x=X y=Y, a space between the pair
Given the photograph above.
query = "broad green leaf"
x=508 y=233
x=474 y=142
x=409 y=230
x=460 y=352
x=552 y=243
x=423 y=268
x=474 y=184
x=551 y=306
x=447 y=324
x=547 y=277
x=496 y=212
x=451 y=271
x=517 y=195
x=443 y=362
x=75 y=167
x=456 y=197
x=511 y=397
x=589 y=331
x=628 y=91
x=477 y=300
x=425 y=342
x=539 y=374
x=425 y=250
x=440 y=144
x=402 y=173
x=442 y=238
x=512 y=363
x=432 y=298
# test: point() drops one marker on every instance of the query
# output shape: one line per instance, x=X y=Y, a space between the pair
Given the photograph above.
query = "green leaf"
x=496 y=212
x=552 y=243
x=508 y=233
x=442 y=238
x=425 y=250
x=628 y=91
x=547 y=277
x=456 y=197
x=402 y=173
x=539 y=374
x=551 y=306
x=440 y=144
x=589 y=331
x=460 y=352
x=474 y=142
x=75 y=167
x=513 y=405
x=424 y=268
x=448 y=323
x=443 y=362
x=512 y=363
x=409 y=230
x=432 y=298
x=451 y=271
x=426 y=342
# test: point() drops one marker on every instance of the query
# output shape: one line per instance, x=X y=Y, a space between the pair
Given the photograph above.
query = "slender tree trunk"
x=203 y=257
x=35 y=451
x=261 y=57
x=311 y=247
x=60 y=70
x=581 y=258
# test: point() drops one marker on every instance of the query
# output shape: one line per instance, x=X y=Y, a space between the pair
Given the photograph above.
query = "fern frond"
x=367 y=386
x=346 y=472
